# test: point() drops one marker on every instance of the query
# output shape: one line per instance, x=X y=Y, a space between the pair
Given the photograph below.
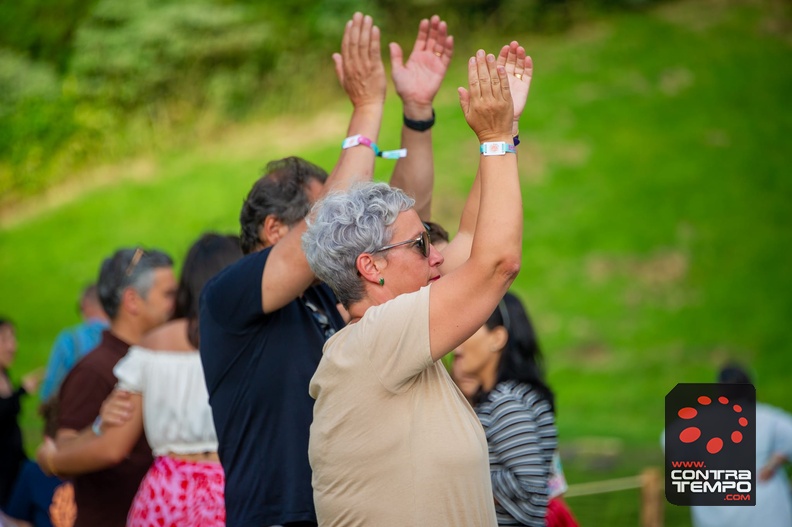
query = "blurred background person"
x=137 y=289
x=73 y=343
x=502 y=373
x=32 y=496
x=161 y=385
x=12 y=453
x=437 y=234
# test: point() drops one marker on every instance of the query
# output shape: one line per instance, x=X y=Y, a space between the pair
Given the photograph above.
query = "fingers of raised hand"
x=503 y=55
x=353 y=36
x=523 y=65
x=494 y=78
x=528 y=69
x=366 y=37
x=434 y=32
x=473 y=78
x=338 y=62
x=482 y=72
x=503 y=80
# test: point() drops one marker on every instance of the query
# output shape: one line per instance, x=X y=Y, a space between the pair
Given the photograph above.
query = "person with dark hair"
x=12 y=453
x=264 y=320
x=73 y=343
x=437 y=234
x=516 y=408
x=32 y=496
x=277 y=201
x=161 y=384
x=137 y=290
x=773 y=450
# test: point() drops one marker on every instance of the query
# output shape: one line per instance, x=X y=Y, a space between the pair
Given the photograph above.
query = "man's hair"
x=344 y=225
x=128 y=268
x=734 y=373
x=280 y=192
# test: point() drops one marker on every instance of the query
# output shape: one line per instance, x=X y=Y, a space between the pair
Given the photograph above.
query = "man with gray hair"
x=137 y=289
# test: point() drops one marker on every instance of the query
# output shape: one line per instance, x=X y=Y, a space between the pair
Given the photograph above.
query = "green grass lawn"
x=657 y=220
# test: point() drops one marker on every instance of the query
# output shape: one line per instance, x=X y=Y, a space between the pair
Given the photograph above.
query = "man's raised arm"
x=417 y=82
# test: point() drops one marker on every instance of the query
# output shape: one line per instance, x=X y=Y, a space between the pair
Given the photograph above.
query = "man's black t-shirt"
x=258 y=367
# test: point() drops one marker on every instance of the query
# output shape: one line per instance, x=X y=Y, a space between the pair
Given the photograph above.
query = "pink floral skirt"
x=178 y=493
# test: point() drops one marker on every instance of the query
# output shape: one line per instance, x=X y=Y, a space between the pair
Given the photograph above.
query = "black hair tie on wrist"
x=420 y=126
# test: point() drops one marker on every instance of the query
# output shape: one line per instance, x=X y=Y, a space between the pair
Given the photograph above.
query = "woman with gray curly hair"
x=393 y=441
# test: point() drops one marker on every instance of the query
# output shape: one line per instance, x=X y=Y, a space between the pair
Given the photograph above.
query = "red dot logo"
x=714 y=445
x=691 y=434
x=687 y=413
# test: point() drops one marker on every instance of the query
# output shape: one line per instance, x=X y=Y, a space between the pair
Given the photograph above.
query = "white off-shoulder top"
x=176 y=413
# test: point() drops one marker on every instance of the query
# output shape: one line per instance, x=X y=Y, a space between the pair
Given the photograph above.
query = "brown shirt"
x=103 y=497
x=393 y=442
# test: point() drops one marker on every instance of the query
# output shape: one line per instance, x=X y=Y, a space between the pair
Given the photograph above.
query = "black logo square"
x=710 y=444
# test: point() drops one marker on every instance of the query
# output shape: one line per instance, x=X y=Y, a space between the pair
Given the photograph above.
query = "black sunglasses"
x=422 y=242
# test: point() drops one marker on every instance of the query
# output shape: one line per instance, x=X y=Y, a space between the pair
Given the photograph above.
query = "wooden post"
x=651 y=498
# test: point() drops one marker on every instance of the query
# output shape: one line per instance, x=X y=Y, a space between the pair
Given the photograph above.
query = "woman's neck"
x=488 y=376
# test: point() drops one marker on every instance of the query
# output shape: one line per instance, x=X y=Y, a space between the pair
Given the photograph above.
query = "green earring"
x=382 y=281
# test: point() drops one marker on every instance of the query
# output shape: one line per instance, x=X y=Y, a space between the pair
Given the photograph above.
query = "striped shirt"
x=521 y=437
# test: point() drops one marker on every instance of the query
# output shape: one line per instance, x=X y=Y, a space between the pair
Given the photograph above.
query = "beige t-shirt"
x=393 y=440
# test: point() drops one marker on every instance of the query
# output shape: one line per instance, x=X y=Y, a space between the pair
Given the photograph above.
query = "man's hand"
x=44 y=456
x=418 y=81
x=116 y=409
x=519 y=69
x=31 y=381
x=359 y=65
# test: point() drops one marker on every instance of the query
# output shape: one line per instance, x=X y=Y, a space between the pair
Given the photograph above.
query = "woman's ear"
x=272 y=230
x=369 y=267
x=499 y=336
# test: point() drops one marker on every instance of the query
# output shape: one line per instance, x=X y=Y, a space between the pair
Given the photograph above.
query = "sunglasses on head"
x=139 y=253
x=422 y=242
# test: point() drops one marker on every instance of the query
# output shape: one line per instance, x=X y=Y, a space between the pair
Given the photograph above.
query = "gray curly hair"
x=342 y=226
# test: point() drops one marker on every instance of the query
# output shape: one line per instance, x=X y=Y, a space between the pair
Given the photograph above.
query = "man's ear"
x=272 y=230
x=130 y=301
x=369 y=267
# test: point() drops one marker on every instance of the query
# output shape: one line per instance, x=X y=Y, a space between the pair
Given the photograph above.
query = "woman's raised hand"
x=519 y=70
x=359 y=65
x=487 y=103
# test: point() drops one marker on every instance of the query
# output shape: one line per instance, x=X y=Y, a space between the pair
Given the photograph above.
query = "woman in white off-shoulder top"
x=161 y=390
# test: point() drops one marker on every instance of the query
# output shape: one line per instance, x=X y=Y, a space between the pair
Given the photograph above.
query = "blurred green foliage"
x=92 y=80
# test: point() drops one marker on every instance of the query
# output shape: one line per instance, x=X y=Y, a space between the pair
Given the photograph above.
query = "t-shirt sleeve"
x=81 y=397
x=782 y=434
x=515 y=438
x=129 y=370
x=58 y=364
x=232 y=299
x=396 y=335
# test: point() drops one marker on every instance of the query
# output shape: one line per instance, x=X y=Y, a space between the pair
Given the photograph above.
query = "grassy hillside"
x=655 y=176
